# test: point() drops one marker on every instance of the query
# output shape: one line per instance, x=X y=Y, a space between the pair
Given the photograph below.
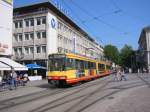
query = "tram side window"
x=70 y=64
x=56 y=64
x=79 y=64
x=91 y=65
x=101 y=66
x=85 y=64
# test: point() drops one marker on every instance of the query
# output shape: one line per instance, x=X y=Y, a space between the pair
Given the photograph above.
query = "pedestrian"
x=115 y=76
x=25 y=79
x=13 y=78
x=123 y=77
x=119 y=74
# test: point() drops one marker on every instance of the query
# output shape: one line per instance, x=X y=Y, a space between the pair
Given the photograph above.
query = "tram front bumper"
x=57 y=77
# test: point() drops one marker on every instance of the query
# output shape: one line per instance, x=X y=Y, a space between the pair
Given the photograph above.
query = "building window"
x=38 y=35
x=43 y=20
x=44 y=34
x=65 y=28
x=43 y=49
x=31 y=36
x=15 y=51
x=38 y=49
x=19 y=51
x=59 y=26
x=16 y=24
x=32 y=22
x=20 y=24
x=31 y=50
x=38 y=21
x=26 y=36
x=27 y=23
x=20 y=37
x=26 y=50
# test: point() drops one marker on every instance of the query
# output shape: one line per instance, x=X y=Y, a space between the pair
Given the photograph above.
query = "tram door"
x=92 y=67
x=80 y=68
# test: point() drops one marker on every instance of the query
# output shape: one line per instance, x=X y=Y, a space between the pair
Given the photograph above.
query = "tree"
x=127 y=56
x=111 y=53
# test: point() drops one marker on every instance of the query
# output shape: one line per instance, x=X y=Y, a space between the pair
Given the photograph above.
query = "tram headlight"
x=63 y=77
x=49 y=77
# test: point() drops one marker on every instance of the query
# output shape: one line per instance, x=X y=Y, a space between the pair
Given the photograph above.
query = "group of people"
x=13 y=79
x=120 y=75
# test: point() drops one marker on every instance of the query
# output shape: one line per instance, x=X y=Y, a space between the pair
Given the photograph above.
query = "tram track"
x=24 y=99
x=9 y=103
x=51 y=104
x=115 y=91
x=47 y=90
x=85 y=97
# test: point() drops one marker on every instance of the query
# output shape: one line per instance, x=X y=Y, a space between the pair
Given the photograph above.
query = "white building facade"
x=144 y=47
x=41 y=29
x=6 y=16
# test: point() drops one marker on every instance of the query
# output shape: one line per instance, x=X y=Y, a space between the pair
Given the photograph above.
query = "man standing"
x=13 y=83
x=115 y=75
x=123 y=77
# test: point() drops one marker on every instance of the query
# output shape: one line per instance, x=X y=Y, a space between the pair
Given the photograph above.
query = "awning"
x=35 y=66
x=4 y=66
x=16 y=66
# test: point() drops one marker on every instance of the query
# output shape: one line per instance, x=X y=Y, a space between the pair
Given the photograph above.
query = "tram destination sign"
x=57 y=56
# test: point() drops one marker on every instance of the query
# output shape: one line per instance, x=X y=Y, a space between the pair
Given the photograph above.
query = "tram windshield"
x=57 y=63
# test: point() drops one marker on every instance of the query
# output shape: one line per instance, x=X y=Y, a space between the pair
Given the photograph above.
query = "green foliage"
x=126 y=56
x=111 y=53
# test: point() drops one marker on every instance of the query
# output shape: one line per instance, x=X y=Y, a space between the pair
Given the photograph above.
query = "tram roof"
x=83 y=57
x=80 y=57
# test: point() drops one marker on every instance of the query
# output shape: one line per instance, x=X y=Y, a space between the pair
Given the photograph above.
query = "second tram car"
x=72 y=68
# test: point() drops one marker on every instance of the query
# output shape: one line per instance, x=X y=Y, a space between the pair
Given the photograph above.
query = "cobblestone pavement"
x=101 y=95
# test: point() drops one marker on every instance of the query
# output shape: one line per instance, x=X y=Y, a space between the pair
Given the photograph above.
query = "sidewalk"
x=31 y=87
x=137 y=100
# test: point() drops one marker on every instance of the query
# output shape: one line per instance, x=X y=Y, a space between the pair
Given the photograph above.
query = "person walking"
x=119 y=74
x=115 y=76
x=13 y=82
x=123 y=77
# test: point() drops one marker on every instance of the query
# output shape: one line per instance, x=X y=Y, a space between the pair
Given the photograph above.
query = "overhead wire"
x=104 y=14
x=76 y=15
x=80 y=20
x=99 y=19
x=123 y=11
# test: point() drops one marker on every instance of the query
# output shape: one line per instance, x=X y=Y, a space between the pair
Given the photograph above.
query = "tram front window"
x=57 y=64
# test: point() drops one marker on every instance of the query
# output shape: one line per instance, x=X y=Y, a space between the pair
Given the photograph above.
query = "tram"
x=72 y=68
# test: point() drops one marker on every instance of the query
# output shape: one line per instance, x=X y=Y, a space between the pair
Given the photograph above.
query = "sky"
x=116 y=22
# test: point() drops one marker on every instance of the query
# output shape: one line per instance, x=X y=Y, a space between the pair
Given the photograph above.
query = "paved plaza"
x=101 y=95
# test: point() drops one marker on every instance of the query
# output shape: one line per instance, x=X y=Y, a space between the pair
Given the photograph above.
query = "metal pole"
x=131 y=63
x=148 y=59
